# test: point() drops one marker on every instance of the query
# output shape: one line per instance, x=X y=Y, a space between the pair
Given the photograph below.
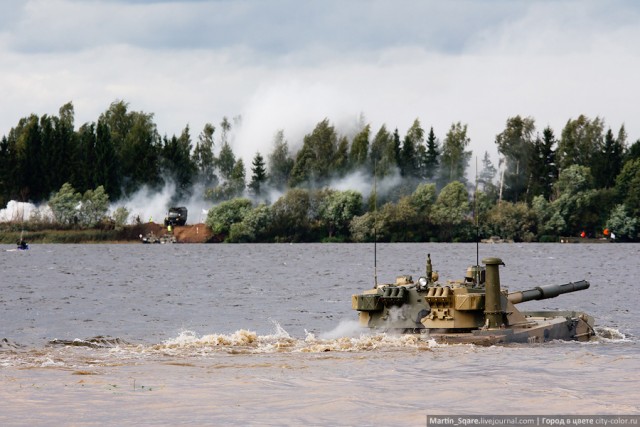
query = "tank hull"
x=541 y=326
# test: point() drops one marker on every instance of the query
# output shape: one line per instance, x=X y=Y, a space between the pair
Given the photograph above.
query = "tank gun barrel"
x=546 y=292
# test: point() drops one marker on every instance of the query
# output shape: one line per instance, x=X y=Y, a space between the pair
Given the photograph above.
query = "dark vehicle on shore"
x=176 y=216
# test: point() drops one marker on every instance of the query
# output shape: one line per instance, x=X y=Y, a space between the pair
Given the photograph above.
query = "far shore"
x=190 y=233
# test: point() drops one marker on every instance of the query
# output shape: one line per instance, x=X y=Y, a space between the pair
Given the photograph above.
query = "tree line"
x=587 y=179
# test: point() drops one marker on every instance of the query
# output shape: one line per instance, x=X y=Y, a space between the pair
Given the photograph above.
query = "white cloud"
x=287 y=65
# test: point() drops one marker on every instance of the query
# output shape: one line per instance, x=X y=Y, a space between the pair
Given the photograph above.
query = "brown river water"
x=265 y=335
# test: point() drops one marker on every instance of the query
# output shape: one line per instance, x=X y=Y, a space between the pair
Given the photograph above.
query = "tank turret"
x=474 y=309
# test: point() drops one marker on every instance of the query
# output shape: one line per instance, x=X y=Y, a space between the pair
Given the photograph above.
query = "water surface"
x=265 y=335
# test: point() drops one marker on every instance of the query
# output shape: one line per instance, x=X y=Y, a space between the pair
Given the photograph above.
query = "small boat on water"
x=164 y=239
x=22 y=244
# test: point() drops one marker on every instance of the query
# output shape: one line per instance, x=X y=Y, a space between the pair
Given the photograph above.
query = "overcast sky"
x=288 y=64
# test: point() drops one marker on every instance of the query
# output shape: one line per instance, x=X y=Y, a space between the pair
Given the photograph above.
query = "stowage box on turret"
x=475 y=310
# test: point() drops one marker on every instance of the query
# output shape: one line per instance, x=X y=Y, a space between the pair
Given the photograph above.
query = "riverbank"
x=192 y=233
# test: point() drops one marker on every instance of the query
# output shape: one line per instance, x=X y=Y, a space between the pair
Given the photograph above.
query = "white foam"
x=605 y=333
x=346 y=328
x=244 y=341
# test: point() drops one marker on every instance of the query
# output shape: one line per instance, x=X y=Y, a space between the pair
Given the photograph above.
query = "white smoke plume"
x=22 y=211
x=361 y=182
x=147 y=205
x=16 y=211
x=297 y=107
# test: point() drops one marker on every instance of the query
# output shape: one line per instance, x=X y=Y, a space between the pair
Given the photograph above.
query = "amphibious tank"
x=474 y=310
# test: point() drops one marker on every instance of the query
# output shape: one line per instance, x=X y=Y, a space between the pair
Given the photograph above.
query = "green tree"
x=451 y=210
x=633 y=152
x=608 y=160
x=58 y=157
x=454 y=158
x=203 y=157
x=549 y=219
x=515 y=143
x=221 y=217
x=64 y=204
x=119 y=121
x=113 y=127
x=259 y=175
x=238 y=178
x=11 y=164
x=423 y=198
x=360 y=148
x=315 y=159
x=628 y=186
x=544 y=171
x=120 y=217
x=106 y=159
x=31 y=165
x=291 y=215
x=225 y=126
x=178 y=164
x=406 y=220
x=401 y=221
x=338 y=209
x=301 y=170
x=280 y=162
x=232 y=188
x=576 y=200
x=7 y=165
x=514 y=221
x=375 y=226
x=340 y=165
x=226 y=161
x=62 y=163
x=378 y=146
x=93 y=207
x=364 y=228
x=383 y=155
x=482 y=205
x=143 y=153
x=432 y=157
x=254 y=227
x=409 y=162
x=487 y=175
x=622 y=225
x=581 y=139
x=573 y=180
x=137 y=145
x=85 y=158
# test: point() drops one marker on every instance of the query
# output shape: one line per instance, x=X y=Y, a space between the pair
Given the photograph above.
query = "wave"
x=607 y=334
x=95 y=342
x=247 y=342
x=6 y=343
x=189 y=344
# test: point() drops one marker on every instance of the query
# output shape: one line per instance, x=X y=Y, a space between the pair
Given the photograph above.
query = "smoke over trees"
x=543 y=186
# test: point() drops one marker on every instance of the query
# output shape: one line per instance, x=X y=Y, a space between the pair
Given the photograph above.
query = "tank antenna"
x=375 y=231
x=475 y=209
